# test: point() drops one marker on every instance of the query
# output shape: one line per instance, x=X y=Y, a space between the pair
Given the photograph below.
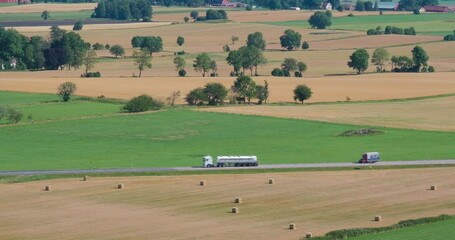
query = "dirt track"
x=176 y=207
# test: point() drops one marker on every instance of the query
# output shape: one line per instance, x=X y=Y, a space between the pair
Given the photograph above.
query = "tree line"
x=124 y=9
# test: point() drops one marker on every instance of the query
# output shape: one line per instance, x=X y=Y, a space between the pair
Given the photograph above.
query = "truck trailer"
x=370 y=157
x=230 y=161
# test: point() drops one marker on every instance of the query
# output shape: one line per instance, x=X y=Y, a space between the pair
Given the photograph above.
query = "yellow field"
x=176 y=207
x=40 y=7
x=430 y=114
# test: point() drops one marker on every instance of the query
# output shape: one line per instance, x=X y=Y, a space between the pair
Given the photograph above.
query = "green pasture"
x=16 y=98
x=180 y=137
x=36 y=16
x=7 y=4
x=425 y=24
x=443 y=230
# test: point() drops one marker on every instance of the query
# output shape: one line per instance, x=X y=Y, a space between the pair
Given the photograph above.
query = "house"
x=436 y=9
x=387 y=6
x=220 y=3
x=13 y=63
x=326 y=6
x=422 y=10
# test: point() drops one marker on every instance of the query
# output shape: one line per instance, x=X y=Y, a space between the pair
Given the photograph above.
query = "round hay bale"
x=271 y=181
x=434 y=187
x=47 y=188
x=202 y=183
x=378 y=218
x=308 y=235
x=238 y=200
x=292 y=226
x=85 y=178
x=235 y=210
x=120 y=186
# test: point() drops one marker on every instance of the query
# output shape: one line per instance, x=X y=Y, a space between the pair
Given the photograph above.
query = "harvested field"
x=152 y=207
x=94 y=26
x=326 y=89
x=429 y=114
x=40 y=7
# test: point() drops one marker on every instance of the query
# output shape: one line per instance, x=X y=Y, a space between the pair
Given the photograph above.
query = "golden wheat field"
x=176 y=207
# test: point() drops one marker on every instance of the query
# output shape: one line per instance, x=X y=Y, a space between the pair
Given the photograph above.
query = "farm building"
x=326 y=6
x=387 y=6
x=436 y=9
x=294 y=8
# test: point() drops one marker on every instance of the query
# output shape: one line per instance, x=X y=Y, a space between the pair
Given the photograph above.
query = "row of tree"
x=381 y=57
x=124 y=9
x=391 y=30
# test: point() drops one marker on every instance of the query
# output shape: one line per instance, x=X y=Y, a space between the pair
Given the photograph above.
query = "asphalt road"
x=271 y=166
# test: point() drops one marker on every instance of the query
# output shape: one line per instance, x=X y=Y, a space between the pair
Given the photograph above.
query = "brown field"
x=176 y=207
x=40 y=7
x=430 y=114
x=326 y=89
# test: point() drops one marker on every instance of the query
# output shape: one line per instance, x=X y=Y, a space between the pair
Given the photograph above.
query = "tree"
x=179 y=63
x=202 y=63
x=289 y=65
x=89 y=60
x=290 y=40
x=262 y=92
x=117 y=50
x=196 y=96
x=142 y=103
x=419 y=57
x=180 y=40
x=245 y=88
x=78 y=26
x=360 y=6
x=305 y=45
x=380 y=58
x=234 y=59
x=302 y=93
x=401 y=63
x=142 y=60
x=248 y=58
x=65 y=90
x=234 y=39
x=45 y=15
x=301 y=67
x=320 y=20
x=173 y=97
x=256 y=40
x=152 y=44
x=359 y=60
x=194 y=14
x=215 y=92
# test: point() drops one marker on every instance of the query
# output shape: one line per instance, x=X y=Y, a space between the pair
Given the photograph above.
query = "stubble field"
x=177 y=207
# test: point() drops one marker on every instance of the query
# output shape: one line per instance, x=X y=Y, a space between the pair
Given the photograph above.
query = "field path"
x=270 y=166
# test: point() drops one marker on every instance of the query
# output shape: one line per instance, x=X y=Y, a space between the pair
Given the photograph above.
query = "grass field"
x=435 y=231
x=153 y=207
x=73 y=137
x=425 y=24
x=51 y=7
x=36 y=16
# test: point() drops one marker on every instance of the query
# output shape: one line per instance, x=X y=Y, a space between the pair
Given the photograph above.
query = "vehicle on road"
x=370 y=157
x=230 y=161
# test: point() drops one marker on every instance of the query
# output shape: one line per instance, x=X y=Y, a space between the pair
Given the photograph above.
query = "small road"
x=270 y=166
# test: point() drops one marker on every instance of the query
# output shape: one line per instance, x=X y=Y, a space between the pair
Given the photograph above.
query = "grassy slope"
x=181 y=137
x=425 y=24
x=434 y=231
x=36 y=16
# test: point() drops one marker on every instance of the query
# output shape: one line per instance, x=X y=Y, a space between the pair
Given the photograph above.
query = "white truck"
x=230 y=161
x=370 y=157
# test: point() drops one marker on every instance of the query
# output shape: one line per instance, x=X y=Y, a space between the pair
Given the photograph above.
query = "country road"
x=271 y=166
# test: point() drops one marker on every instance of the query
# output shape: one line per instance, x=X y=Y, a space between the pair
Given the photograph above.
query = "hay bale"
x=47 y=188
x=378 y=218
x=85 y=178
x=271 y=181
x=292 y=226
x=308 y=235
x=202 y=183
x=238 y=200
x=235 y=210
x=434 y=187
x=120 y=186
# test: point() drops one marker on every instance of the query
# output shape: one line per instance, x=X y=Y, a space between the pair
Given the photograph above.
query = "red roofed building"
x=436 y=8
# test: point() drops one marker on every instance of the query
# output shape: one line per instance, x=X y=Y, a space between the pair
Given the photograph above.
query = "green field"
x=432 y=231
x=36 y=16
x=180 y=137
x=425 y=24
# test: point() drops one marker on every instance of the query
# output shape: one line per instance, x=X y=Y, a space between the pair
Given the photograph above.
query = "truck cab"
x=207 y=161
x=370 y=157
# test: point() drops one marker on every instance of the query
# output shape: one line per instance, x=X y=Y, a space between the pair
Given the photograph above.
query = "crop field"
x=153 y=207
x=51 y=7
x=412 y=114
x=435 y=231
x=74 y=135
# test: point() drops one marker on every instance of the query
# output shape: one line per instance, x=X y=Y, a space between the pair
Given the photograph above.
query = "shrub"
x=180 y=53
x=297 y=74
x=277 y=72
x=78 y=26
x=98 y=46
x=416 y=11
x=305 y=45
x=226 y=48
x=381 y=12
x=340 y=8
x=249 y=7
x=107 y=46
x=200 y=19
x=142 y=103
x=182 y=73
x=186 y=19
x=91 y=75
x=350 y=15
x=430 y=69
x=66 y=89
x=450 y=37
x=196 y=96
x=146 y=19
x=14 y=116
